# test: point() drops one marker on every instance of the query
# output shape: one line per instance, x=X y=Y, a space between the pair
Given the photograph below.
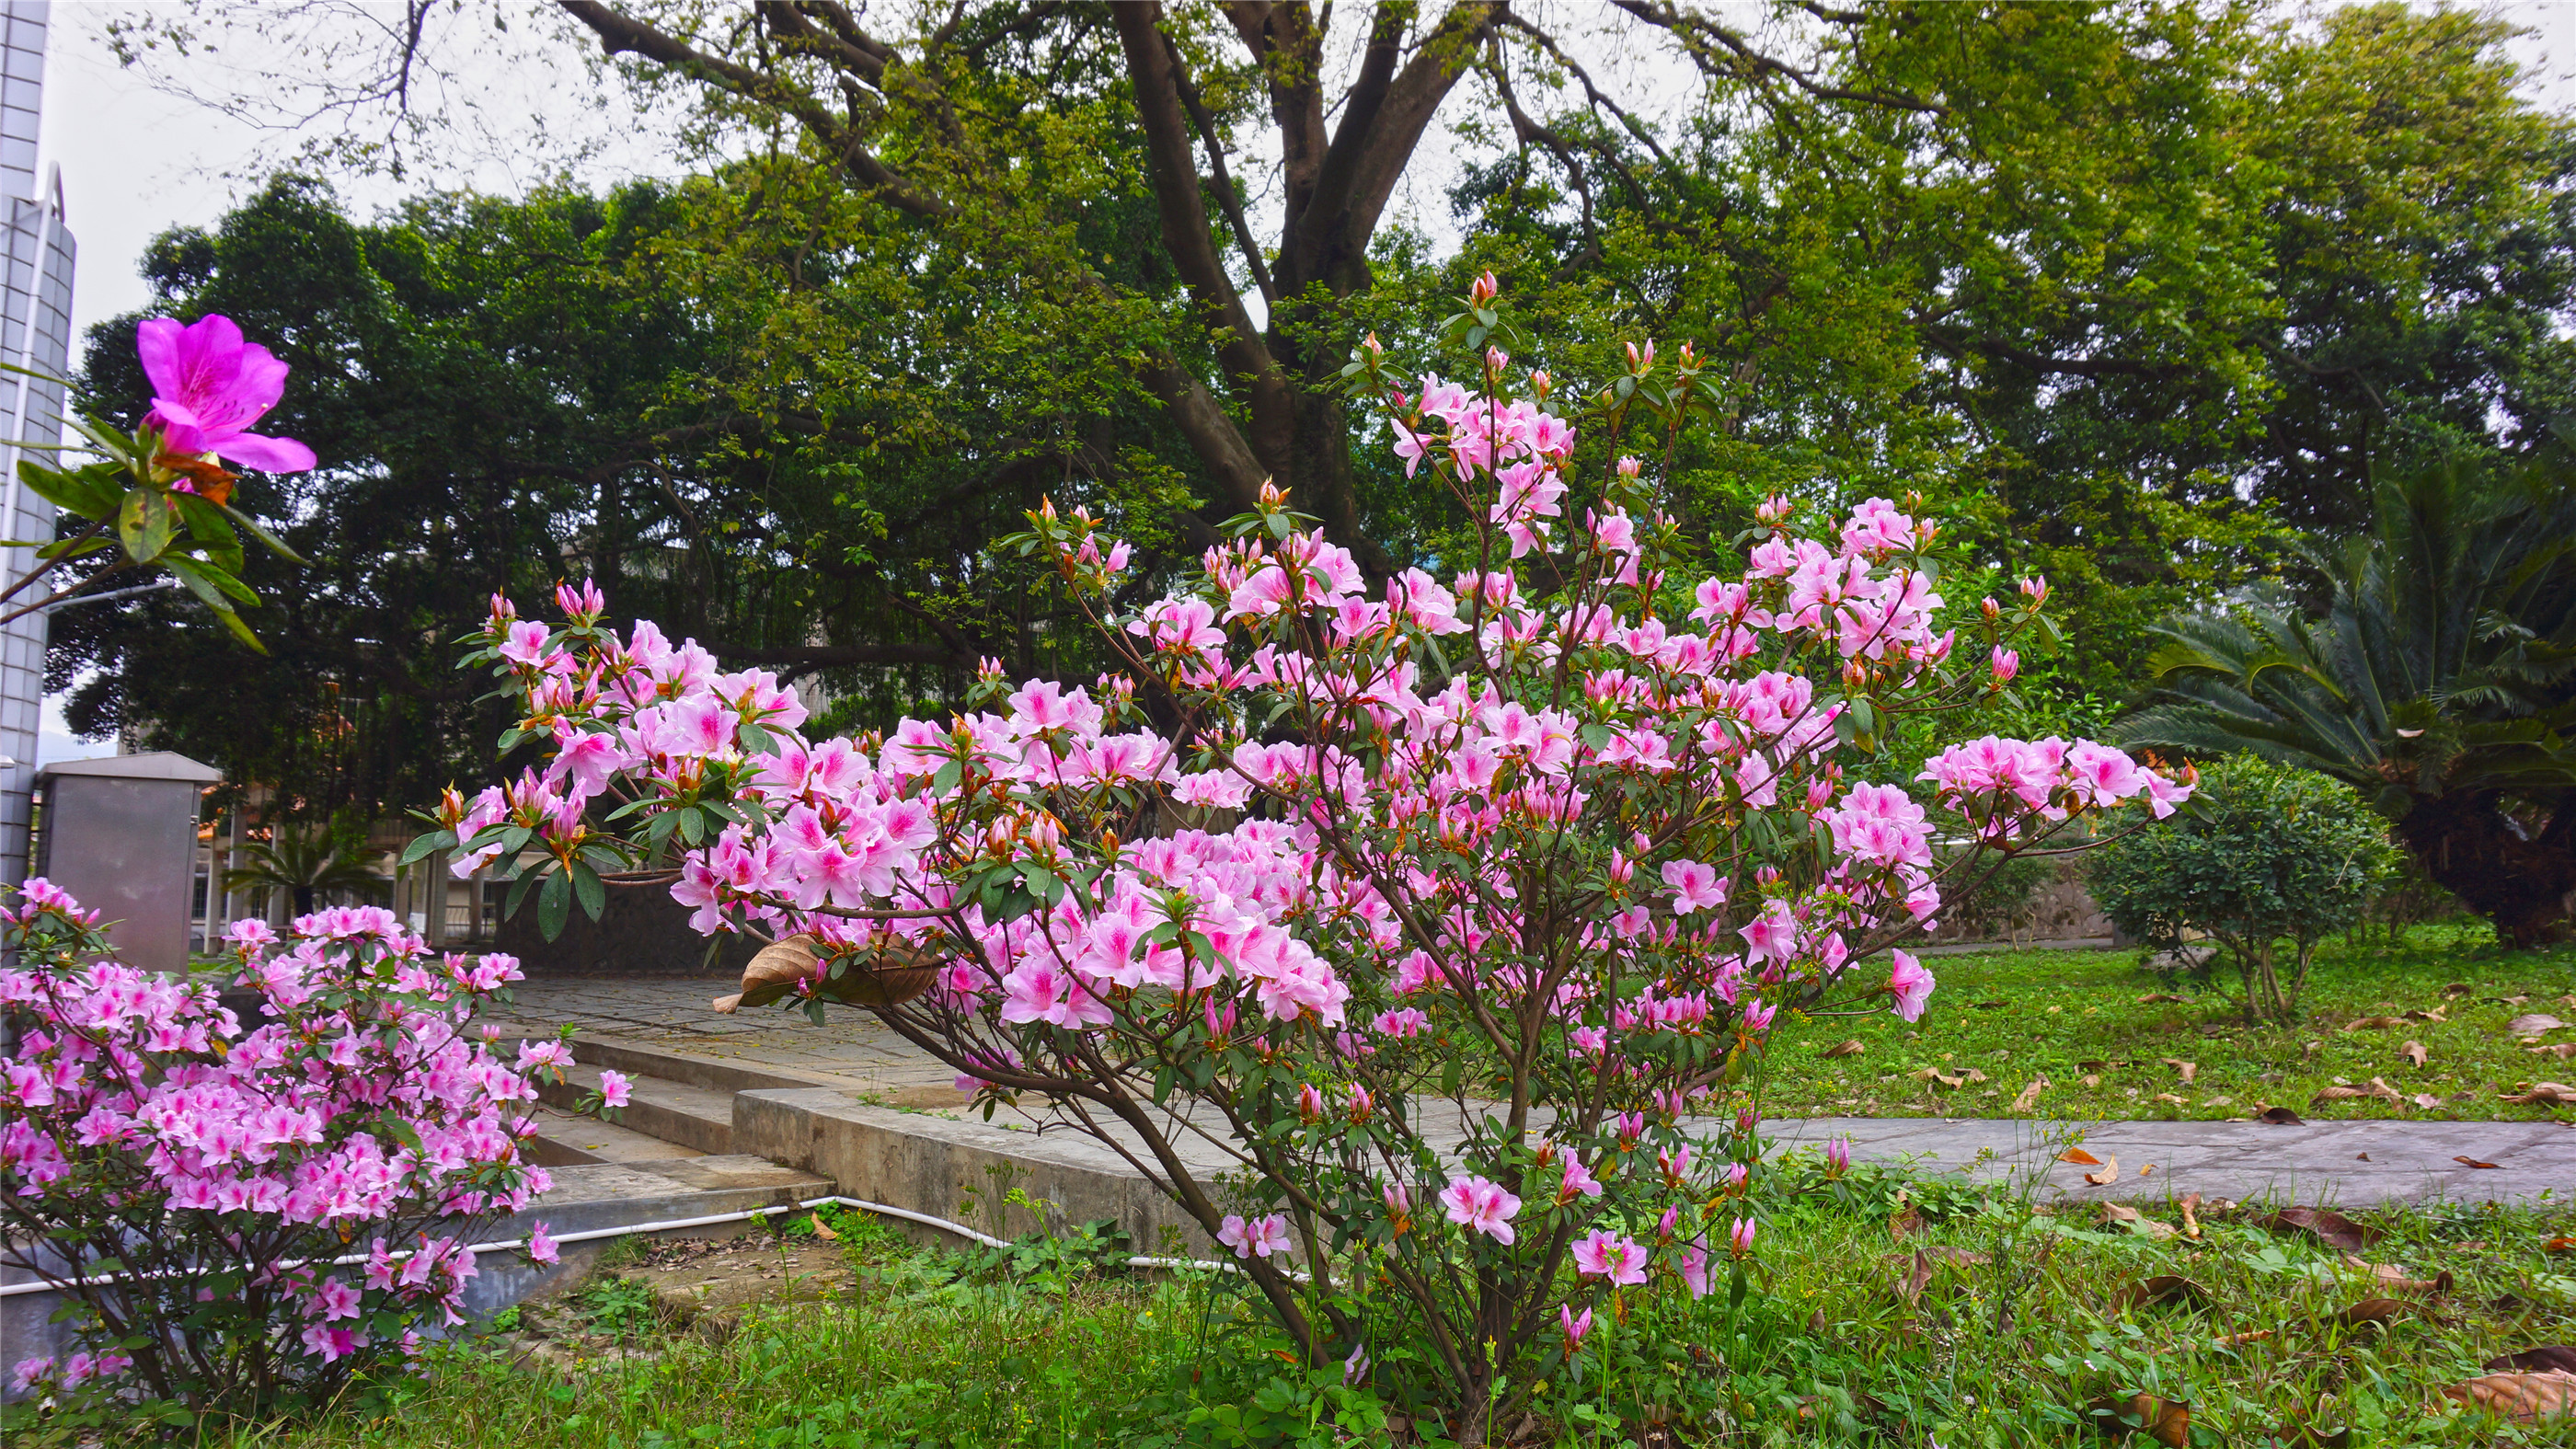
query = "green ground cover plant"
x=1895 y=1307
x=2109 y=1035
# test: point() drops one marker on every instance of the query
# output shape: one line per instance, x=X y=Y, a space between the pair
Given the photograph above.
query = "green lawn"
x=2072 y=1015
x=2017 y=1327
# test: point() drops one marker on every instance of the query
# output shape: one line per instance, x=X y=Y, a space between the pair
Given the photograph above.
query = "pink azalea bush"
x=248 y=1219
x=1448 y=911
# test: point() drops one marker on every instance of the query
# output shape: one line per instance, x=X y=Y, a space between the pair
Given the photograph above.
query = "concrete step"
x=567 y=1139
x=695 y=1117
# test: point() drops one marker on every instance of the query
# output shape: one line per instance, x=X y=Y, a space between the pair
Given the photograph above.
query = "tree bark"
x=2517 y=878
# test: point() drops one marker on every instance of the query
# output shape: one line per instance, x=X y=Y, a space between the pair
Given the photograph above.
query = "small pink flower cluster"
x=363 y=1115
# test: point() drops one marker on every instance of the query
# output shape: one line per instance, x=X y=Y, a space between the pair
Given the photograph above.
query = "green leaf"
x=82 y=491
x=554 y=905
x=266 y=538
x=144 y=523
x=593 y=890
x=430 y=844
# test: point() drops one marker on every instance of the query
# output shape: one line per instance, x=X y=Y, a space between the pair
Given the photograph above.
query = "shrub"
x=243 y=1222
x=2269 y=853
x=1462 y=897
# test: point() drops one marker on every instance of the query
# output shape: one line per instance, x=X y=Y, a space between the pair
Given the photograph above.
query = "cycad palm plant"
x=2439 y=679
x=304 y=864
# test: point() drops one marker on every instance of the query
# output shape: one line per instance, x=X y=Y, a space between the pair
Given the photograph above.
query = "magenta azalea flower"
x=208 y=386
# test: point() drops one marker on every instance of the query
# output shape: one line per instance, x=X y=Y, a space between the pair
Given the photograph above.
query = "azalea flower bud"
x=1483 y=290
x=1630 y=467
x=1372 y=346
x=1739 y=1238
x=1541 y=383
x=1497 y=361
x=1838 y=1156
x=2007 y=663
x=1574 y=1325
x=2036 y=589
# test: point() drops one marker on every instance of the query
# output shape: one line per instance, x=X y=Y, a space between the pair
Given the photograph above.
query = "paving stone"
x=2409 y=1160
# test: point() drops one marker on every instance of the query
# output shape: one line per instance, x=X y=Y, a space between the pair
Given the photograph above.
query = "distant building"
x=35 y=333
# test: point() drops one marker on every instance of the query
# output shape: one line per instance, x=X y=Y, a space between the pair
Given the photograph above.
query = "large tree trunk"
x=2515 y=876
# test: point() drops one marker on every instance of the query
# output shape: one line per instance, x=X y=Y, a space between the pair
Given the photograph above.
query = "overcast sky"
x=136 y=160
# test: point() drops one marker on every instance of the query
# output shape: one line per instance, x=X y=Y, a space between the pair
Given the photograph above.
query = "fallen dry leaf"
x=2370 y=1310
x=2163 y=998
x=2079 y=1155
x=2529 y=1398
x=2218 y=1101
x=2414 y=1052
x=2533 y=1023
x=2169 y=1097
x=2395 y=1279
x=2546 y=1094
x=1905 y=1224
x=2190 y=1218
x=2113 y=1212
x=1975 y=1076
x=2251 y=1335
x=1909 y=1284
x=2434 y=1014
x=2425 y=1100
x=1937 y=1077
x=2457 y=988
x=2471 y=1162
x=2280 y=1117
x=2375 y=1023
x=2188 y=1069
x=2534 y=1360
x=2109 y=1174
x=2093 y=1079
x=2331 y=1228
x=2559 y=1245
x=2561 y=1050
x=2147 y=1171
x=2162 y=1420
x=2158 y=1291
x=1845 y=1049
x=2029 y=1097
x=823 y=1229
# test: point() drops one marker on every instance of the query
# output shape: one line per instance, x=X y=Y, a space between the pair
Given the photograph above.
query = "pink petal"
x=157 y=343
x=269 y=455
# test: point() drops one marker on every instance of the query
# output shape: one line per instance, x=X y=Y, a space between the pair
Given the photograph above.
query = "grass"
x=2098 y=1026
x=2018 y=1336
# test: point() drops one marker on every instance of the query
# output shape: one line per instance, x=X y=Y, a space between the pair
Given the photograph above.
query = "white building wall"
x=35 y=333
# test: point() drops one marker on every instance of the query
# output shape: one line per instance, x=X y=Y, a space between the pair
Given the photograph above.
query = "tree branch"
x=1724 y=52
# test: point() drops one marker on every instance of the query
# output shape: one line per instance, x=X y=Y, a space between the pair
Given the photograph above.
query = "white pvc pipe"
x=12 y=1290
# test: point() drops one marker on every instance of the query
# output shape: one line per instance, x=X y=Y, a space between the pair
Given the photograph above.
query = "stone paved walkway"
x=674 y=1014
x=2353 y=1163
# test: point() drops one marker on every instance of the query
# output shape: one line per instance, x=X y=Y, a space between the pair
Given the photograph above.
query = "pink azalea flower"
x=1693 y=1266
x=1258 y=1238
x=614 y=1089
x=542 y=1247
x=1480 y=1206
x=1616 y=1256
x=209 y=386
x=1911 y=983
